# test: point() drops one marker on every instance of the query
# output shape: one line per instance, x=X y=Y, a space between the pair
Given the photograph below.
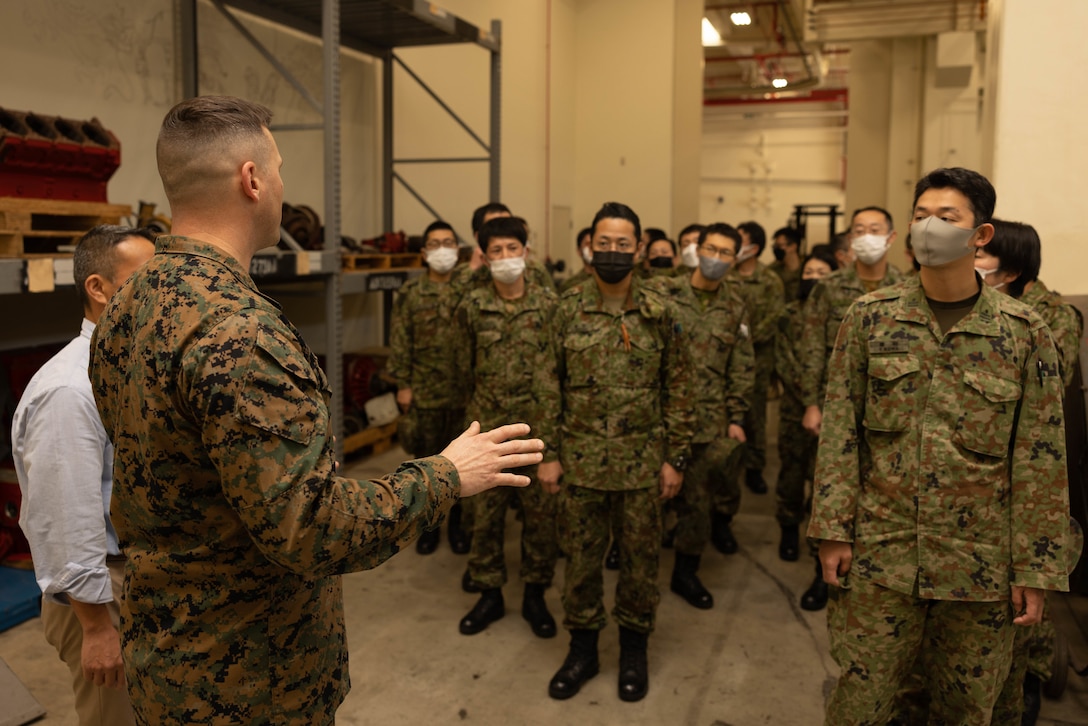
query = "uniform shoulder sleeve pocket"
x=281 y=393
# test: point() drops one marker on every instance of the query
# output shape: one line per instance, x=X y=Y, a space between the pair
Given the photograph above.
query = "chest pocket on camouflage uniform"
x=583 y=351
x=643 y=369
x=280 y=393
x=721 y=344
x=989 y=406
x=890 y=399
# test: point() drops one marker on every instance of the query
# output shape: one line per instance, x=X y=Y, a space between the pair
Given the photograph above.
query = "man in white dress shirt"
x=64 y=462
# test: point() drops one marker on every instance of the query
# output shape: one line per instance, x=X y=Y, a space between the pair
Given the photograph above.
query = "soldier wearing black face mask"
x=787 y=260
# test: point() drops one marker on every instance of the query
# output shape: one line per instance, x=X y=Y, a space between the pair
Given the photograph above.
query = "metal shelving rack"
x=376 y=28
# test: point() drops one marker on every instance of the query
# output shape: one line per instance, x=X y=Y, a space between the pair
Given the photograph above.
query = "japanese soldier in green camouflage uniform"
x=476 y=273
x=585 y=236
x=716 y=326
x=506 y=329
x=423 y=363
x=865 y=268
x=787 y=261
x=226 y=498
x=762 y=293
x=941 y=495
x=796 y=447
x=625 y=440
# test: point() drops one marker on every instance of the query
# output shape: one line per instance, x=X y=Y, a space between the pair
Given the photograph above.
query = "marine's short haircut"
x=501 y=227
x=200 y=139
x=980 y=193
x=1018 y=250
x=885 y=212
x=95 y=254
x=617 y=210
x=756 y=234
x=481 y=212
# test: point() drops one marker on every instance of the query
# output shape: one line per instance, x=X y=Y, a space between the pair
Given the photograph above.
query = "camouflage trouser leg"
x=705 y=474
x=584 y=519
x=797 y=452
x=756 y=422
x=487 y=560
x=434 y=429
x=725 y=487
x=1032 y=653
x=876 y=635
x=539 y=539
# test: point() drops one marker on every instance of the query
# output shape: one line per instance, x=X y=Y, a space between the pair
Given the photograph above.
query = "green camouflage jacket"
x=1064 y=322
x=423 y=341
x=791 y=280
x=468 y=279
x=721 y=353
x=823 y=313
x=763 y=299
x=626 y=380
x=942 y=457
x=583 y=275
x=510 y=348
x=226 y=501
x=787 y=353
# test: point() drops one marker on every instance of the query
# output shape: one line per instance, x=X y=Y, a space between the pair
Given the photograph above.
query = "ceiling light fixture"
x=741 y=18
x=780 y=83
x=711 y=36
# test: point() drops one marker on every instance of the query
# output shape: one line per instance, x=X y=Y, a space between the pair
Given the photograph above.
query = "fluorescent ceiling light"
x=780 y=83
x=711 y=36
x=740 y=18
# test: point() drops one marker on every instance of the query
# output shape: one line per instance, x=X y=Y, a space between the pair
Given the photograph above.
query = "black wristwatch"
x=680 y=463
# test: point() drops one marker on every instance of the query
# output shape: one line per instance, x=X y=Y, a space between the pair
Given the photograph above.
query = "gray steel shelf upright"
x=376 y=28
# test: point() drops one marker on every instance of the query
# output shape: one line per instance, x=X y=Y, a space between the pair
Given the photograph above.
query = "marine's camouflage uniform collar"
x=982 y=320
x=178 y=245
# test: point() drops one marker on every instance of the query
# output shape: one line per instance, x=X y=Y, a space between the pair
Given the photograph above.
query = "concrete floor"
x=756 y=658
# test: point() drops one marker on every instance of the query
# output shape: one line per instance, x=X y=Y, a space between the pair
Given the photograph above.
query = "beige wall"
x=1039 y=154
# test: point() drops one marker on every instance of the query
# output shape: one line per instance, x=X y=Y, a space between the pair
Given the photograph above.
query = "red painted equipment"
x=49 y=157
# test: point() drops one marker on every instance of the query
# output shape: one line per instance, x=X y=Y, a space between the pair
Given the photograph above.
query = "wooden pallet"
x=360 y=262
x=378 y=438
x=36 y=227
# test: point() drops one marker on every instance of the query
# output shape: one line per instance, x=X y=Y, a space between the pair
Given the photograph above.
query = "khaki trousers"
x=95 y=705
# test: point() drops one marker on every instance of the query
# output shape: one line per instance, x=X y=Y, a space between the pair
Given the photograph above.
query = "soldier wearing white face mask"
x=865 y=269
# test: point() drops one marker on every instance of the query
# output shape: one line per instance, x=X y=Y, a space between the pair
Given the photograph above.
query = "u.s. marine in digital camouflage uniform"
x=941 y=492
x=226 y=500
x=716 y=325
x=509 y=351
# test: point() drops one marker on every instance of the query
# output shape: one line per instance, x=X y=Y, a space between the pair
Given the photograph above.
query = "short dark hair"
x=979 y=191
x=481 y=212
x=1017 y=247
x=654 y=234
x=755 y=234
x=501 y=227
x=840 y=242
x=616 y=210
x=94 y=254
x=662 y=239
x=584 y=232
x=725 y=230
x=435 y=226
x=882 y=210
x=691 y=228
x=793 y=236
x=824 y=253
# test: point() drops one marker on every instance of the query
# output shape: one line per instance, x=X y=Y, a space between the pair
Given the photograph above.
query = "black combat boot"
x=612 y=560
x=460 y=538
x=428 y=541
x=686 y=583
x=753 y=478
x=468 y=584
x=815 y=597
x=789 y=547
x=634 y=675
x=1033 y=700
x=489 y=608
x=535 y=611
x=581 y=665
x=721 y=534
